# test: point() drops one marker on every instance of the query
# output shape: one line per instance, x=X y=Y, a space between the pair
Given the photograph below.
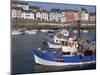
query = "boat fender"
x=39 y=49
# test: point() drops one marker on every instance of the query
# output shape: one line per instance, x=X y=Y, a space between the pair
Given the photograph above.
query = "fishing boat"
x=67 y=55
x=55 y=41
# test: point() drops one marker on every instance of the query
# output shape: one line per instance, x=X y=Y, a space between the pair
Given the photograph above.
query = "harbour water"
x=23 y=59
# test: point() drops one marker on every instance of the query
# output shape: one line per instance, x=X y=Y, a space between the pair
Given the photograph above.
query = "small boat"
x=85 y=31
x=16 y=32
x=31 y=31
x=51 y=32
x=46 y=30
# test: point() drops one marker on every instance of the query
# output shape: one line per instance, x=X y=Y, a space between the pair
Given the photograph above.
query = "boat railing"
x=61 y=53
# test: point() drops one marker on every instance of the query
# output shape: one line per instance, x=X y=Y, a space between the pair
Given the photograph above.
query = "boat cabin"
x=69 y=46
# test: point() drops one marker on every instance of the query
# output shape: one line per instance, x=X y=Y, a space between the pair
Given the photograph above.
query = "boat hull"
x=39 y=60
x=52 y=59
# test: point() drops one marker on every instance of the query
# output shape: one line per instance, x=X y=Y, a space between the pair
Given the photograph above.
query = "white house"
x=44 y=15
x=16 y=12
x=85 y=16
x=28 y=15
x=38 y=15
x=55 y=15
x=63 y=18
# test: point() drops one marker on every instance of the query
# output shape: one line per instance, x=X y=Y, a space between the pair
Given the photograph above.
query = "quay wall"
x=34 y=24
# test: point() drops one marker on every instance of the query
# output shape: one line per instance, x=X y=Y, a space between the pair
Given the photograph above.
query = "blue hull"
x=64 y=59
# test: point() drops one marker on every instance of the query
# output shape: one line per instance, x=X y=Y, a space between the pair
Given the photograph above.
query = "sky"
x=48 y=6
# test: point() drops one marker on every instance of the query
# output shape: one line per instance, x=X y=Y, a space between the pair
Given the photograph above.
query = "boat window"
x=56 y=40
x=66 y=44
x=62 y=43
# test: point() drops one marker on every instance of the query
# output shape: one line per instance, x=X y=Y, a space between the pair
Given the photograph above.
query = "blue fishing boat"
x=68 y=54
x=58 y=58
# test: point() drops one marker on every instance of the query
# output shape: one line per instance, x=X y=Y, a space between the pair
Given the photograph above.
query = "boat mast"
x=79 y=21
x=79 y=26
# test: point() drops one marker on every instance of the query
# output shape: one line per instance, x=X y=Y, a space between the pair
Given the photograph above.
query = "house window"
x=27 y=15
x=14 y=14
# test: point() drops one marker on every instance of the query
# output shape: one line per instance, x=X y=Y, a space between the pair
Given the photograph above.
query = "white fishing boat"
x=16 y=32
x=44 y=30
x=31 y=31
x=85 y=31
x=55 y=41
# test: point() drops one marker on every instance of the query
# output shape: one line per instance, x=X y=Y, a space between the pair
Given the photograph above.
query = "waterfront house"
x=69 y=15
x=16 y=12
x=55 y=15
x=28 y=14
x=38 y=15
x=44 y=15
x=63 y=18
x=84 y=15
x=92 y=17
x=76 y=16
x=34 y=9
